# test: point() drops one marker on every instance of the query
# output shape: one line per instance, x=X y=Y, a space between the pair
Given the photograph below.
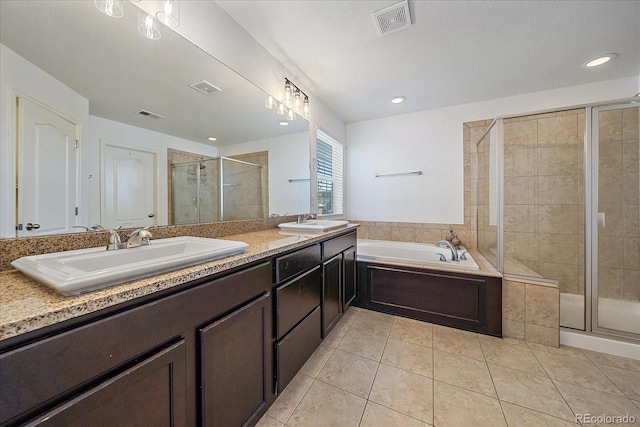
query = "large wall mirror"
x=142 y=112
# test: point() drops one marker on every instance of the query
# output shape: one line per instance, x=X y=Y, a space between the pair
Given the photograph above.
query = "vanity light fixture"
x=170 y=13
x=599 y=60
x=112 y=8
x=295 y=101
x=398 y=99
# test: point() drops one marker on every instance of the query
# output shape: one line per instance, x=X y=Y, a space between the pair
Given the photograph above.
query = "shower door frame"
x=592 y=156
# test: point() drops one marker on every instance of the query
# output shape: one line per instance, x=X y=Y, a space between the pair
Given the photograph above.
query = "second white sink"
x=85 y=270
x=314 y=225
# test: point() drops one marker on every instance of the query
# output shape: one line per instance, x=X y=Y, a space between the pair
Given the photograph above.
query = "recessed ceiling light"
x=211 y=138
x=398 y=99
x=283 y=123
x=599 y=60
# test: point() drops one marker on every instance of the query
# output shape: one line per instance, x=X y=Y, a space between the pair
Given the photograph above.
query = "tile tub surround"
x=531 y=311
x=11 y=249
x=26 y=305
x=418 y=374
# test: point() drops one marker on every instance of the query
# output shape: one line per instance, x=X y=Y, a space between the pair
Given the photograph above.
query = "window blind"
x=329 y=174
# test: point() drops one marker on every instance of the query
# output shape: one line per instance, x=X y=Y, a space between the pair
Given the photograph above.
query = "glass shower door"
x=615 y=217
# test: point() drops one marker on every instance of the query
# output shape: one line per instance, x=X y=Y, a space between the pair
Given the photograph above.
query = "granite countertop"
x=26 y=305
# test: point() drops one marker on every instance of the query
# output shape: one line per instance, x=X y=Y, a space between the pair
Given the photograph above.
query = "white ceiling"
x=455 y=52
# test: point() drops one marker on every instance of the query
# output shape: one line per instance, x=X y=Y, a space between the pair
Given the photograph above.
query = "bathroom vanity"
x=213 y=348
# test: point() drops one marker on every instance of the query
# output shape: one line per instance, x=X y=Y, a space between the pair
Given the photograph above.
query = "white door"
x=128 y=187
x=47 y=171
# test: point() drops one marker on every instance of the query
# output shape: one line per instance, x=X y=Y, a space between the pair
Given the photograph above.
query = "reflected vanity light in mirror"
x=148 y=26
x=170 y=13
x=112 y=8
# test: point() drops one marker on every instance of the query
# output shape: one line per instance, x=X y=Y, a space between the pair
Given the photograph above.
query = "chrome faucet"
x=454 y=251
x=114 y=241
x=139 y=237
x=304 y=217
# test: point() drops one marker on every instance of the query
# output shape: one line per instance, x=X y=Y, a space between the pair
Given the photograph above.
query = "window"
x=329 y=164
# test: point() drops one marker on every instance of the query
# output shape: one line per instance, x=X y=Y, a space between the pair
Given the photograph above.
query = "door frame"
x=591 y=218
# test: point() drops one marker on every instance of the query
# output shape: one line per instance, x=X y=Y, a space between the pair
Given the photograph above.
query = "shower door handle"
x=601 y=221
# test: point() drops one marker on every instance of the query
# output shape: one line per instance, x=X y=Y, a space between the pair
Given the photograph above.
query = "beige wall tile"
x=610 y=252
x=562 y=248
x=630 y=158
x=631 y=189
x=522 y=133
x=427 y=235
x=522 y=218
x=379 y=233
x=610 y=282
x=630 y=127
x=513 y=300
x=632 y=221
x=516 y=161
x=403 y=234
x=559 y=219
x=559 y=160
x=632 y=253
x=518 y=191
x=558 y=130
x=542 y=306
x=610 y=123
x=567 y=275
x=610 y=158
x=513 y=329
x=556 y=190
x=542 y=335
x=631 y=285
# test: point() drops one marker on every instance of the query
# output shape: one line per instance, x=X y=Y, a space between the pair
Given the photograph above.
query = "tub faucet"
x=454 y=251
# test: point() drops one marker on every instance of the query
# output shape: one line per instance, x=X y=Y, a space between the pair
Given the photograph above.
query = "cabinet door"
x=235 y=366
x=151 y=393
x=349 y=278
x=331 y=290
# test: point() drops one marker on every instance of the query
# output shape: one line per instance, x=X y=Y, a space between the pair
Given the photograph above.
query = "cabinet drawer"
x=296 y=299
x=332 y=247
x=294 y=350
x=289 y=265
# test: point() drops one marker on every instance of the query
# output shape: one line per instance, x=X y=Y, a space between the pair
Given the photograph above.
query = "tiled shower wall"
x=618 y=193
x=544 y=197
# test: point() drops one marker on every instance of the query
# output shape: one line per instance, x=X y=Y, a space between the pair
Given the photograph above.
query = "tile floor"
x=380 y=370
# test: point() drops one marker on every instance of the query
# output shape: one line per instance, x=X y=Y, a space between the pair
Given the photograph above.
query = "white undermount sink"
x=85 y=270
x=314 y=225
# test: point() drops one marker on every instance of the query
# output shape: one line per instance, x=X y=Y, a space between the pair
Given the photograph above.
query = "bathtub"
x=408 y=279
x=411 y=254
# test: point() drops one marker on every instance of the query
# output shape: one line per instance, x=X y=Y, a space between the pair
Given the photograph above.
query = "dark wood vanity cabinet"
x=234 y=352
x=338 y=278
x=176 y=360
x=151 y=392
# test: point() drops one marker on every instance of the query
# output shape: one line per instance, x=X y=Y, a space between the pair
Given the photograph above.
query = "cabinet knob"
x=31 y=226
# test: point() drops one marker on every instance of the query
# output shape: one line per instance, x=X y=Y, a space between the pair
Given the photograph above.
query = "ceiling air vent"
x=205 y=87
x=393 y=18
x=150 y=114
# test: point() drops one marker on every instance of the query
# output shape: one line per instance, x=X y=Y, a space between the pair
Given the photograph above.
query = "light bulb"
x=288 y=93
x=291 y=115
x=306 y=112
x=281 y=110
x=297 y=100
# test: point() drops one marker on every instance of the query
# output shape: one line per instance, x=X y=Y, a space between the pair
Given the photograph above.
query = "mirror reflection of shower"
x=218 y=189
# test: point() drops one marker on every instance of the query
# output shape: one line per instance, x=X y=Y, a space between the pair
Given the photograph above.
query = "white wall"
x=431 y=141
x=285 y=153
x=121 y=134
x=20 y=77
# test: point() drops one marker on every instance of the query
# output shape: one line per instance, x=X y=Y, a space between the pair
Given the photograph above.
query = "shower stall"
x=558 y=200
x=219 y=189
